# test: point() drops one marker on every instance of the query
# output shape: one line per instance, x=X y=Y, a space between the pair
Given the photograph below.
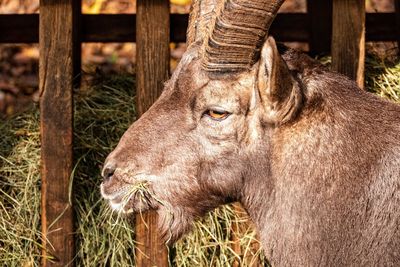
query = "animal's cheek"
x=168 y=189
x=212 y=149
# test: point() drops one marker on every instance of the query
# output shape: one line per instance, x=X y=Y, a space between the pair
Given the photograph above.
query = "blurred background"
x=19 y=63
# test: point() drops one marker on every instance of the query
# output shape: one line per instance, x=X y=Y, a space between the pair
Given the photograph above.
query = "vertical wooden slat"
x=397 y=11
x=239 y=228
x=320 y=19
x=152 y=41
x=58 y=45
x=348 y=38
x=77 y=42
x=235 y=229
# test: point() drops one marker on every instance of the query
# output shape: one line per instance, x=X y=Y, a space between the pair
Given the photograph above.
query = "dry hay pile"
x=102 y=114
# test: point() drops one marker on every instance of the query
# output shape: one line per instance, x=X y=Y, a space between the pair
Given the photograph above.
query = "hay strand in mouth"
x=138 y=192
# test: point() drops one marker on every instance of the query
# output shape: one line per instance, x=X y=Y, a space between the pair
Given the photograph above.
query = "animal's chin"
x=130 y=207
x=130 y=199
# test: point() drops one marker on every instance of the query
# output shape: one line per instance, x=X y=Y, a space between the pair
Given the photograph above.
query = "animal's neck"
x=258 y=188
x=277 y=177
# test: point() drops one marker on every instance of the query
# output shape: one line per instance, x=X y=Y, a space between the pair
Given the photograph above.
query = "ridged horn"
x=202 y=13
x=238 y=31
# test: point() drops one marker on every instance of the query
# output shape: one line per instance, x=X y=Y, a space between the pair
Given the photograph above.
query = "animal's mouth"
x=131 y=198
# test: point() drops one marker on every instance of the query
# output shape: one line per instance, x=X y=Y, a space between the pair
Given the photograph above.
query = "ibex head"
x=195 y=147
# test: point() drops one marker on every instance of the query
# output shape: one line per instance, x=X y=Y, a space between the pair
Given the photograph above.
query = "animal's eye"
x=217 y=114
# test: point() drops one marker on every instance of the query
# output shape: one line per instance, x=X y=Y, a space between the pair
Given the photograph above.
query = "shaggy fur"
x=313 y=159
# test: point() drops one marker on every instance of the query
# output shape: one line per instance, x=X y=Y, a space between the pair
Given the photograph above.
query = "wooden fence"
x=61 y=28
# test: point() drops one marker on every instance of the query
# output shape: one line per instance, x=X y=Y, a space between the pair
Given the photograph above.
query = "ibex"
x=314 y=160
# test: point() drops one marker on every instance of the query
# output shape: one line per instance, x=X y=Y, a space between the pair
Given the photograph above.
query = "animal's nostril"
x=108 y=172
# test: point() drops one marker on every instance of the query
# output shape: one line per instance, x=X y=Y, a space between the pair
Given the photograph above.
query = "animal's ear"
x=279 y=92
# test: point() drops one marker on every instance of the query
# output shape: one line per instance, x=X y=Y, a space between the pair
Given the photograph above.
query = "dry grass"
x=20 y=191
x=383 y=78
x=212 y=240
x=102 y=114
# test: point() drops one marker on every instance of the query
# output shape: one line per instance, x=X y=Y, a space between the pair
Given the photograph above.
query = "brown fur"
x=313 y=159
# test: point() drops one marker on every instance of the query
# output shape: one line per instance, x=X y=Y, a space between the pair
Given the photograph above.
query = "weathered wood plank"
x=235 y=229
x=76 y=42
x=109 y=28
x=288 y=27
x=19 y=28
x=152 y=40
x=122 y=28
x=397 y=14
x=58 y=45
x=320 y=24
x=238 y=228
x=348 y=38
x=381 y=27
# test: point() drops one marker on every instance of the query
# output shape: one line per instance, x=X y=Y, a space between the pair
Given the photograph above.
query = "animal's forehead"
x=216 y=89
x=226 y=88
x=228 y=92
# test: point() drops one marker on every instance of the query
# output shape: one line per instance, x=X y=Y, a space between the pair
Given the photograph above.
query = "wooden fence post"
x=59 y=46
x=320 y=20
x=239 y=227
x=152 y=47
x=397 y=12
x=348 y=38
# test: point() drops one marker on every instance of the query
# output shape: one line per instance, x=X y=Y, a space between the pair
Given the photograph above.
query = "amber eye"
x=217 y=114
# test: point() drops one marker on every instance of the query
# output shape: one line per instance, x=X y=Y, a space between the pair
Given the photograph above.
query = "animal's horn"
x=237 y=33
x=202 y=12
